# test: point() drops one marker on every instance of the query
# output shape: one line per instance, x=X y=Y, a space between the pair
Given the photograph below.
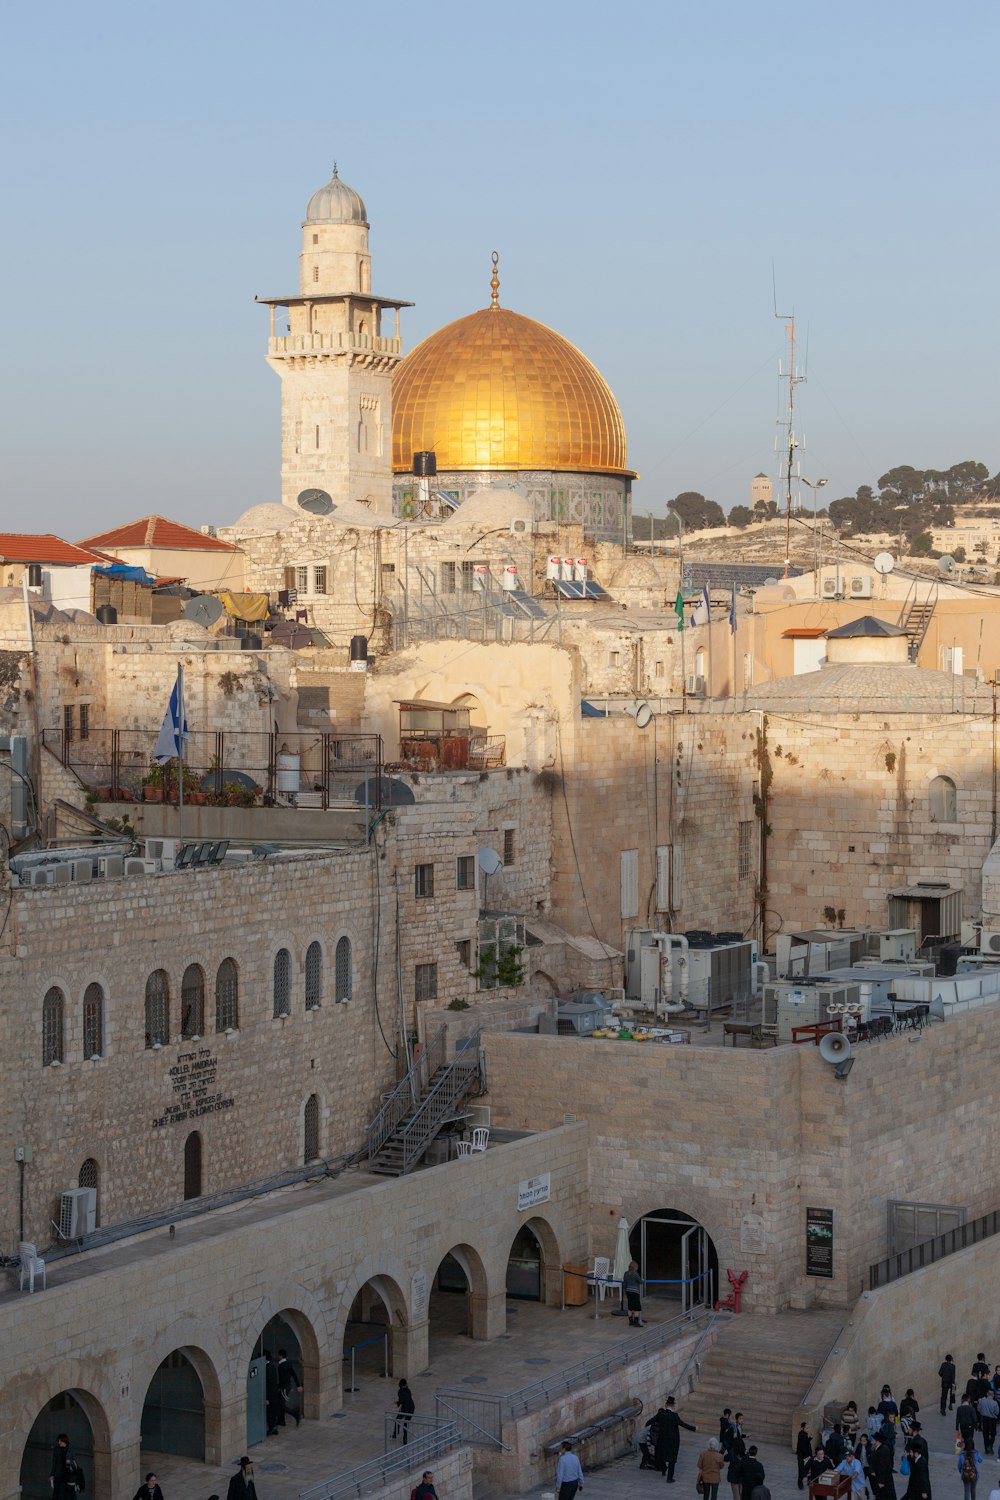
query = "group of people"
x=660 y=1449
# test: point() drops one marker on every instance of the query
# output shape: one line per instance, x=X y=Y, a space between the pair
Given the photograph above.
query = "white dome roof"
x=336 y=203
x=268 y=517
x=493 y=506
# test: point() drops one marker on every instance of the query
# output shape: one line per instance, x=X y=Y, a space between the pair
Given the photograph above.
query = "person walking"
x=241 y=1486
x=989 y=1412
x=947 y=1375
x=727 y=1430
x=968 y=1469
x=851 y=1467
x=803 y=1450
x=569 y=1474
x=290 y=1387
x=918 y=1486
x=668 y=1438
x=405 y=1407
x=710 y=1466
x=753 y=1472
x=632 y=1292
x=965 y=1423
x=149 y=1489
x=62 y=1475
x=425 y=1489
x=863 y=1454
x=647 y=1445
x=883 y=1486
x=850 y=1422
x=918 y=1442
x=836 y=1445
x=273 y=1404
x=908 y=1409
x=734 y=1471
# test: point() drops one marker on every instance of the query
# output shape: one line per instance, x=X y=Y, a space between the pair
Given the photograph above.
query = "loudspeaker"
x=834 y=1048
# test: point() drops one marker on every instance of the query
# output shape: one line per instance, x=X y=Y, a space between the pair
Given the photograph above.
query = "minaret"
x=336 y=360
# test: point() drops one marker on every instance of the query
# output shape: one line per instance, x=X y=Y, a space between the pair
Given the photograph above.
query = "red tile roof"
x=34 y=547
x=155 y=531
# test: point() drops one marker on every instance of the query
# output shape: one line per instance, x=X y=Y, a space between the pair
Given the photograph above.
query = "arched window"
x=157 y=1008
x=90 y=1177
x=53 y=1027
x=193 y=1002
x=192 y=1166
x=227 y=997
x=343 y=979
x=93 y=1024
x=944 y=800
x=314 y=975
x=311 y=1129
x=282 y=983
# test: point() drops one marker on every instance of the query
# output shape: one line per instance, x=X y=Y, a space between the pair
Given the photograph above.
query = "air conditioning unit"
x=860 y=588
x=83 y=870
x=77 y=1213
x=989 y=940
x=111 y=866
x=522 y=526
x=41 y=875
x=135 y=866
x=61 y=874
x=831 y=588
x=695 y=686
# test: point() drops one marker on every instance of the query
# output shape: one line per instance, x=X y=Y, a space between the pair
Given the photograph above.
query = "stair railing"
x=692 y=1366
x=452 y=1085
x=411 y=1086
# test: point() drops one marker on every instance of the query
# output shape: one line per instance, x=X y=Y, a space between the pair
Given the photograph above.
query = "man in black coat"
x=918 y=1442
x=947 y=1375
x=918 y=1486
x=241 y=1486
x=291 y=1389
x=803 y=1450
x=274 y=1405
x=751 y=1472
x=965 y=1421
x=668 y=1438
x=880 y=1469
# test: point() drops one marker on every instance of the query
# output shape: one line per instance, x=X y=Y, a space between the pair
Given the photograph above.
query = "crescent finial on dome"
x=335 y=172
x=495 y=283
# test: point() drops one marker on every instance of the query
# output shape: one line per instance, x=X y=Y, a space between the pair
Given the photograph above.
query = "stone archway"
x=174 y=1409
x=458 y=1304
x=205 y=1355
x=534 y=1263
x=677 y=1258
x=300 y=1330
x=375 y=1312
x=81 y=1416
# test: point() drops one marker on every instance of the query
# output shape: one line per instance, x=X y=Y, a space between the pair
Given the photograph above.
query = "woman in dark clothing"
x=863 y=1454
x=803 y=1451
x=405 y=1407
x=734 y=1473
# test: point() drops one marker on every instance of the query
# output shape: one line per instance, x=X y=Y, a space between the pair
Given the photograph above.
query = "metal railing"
x=407 y=1093
x=692 y=1366
x=241 y=768
x=417 y=1454
x=915 y=614
x=482 y=1431
x=929 y=1251
x=804 y=1403
x=445 y=1094
x=416 y=1427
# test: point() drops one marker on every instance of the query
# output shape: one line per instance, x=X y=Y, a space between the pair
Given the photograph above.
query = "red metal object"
x=732 y=1302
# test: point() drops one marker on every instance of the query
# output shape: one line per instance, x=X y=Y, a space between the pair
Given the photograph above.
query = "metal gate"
x=256 y=1402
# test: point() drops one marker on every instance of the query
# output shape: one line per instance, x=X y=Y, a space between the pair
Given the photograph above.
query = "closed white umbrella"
x=623 y=1255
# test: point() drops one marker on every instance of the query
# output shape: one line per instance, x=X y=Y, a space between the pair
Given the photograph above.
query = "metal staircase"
x=431 y=1093
x=916 y=614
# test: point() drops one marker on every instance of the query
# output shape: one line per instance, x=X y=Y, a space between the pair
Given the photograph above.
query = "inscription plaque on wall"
x=192 y=1079
x=819 y=1242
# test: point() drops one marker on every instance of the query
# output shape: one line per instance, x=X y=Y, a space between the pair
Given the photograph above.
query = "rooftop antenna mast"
x=794 y=378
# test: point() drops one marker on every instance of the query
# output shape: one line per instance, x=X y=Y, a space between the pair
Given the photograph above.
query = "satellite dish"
x=316 y=502
x=392 y=792
x=488 y=860
x=770 y=583
x=946 y=564
x=643 y=715
x=202 y=610
x=884 y=563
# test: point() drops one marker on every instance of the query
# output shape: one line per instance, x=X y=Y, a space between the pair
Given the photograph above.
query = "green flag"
x=679 y=610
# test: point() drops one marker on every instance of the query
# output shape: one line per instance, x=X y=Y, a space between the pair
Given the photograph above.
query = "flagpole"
x=181 y=725
x=710 y=692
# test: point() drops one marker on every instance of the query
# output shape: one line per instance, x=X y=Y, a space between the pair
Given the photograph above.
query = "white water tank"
x=553 y=568
x=480 y=573
x=580 y=570
x=509 y=578
x=567 y=568
x=288 y=768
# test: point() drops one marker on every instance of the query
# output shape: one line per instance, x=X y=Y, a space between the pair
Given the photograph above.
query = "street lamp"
x=680 y=541
x=814 y=487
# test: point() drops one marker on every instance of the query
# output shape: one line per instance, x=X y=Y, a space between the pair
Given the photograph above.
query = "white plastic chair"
x=602 y=1269
x=480 y=1137
x=31 y=1265
x=464 y=1148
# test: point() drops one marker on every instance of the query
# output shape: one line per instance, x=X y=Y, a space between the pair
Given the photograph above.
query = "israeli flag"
x=172 y=738
x=703 y=613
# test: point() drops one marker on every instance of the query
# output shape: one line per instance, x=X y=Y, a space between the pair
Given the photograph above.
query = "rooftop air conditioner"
x=41 y=875
x=831 y=588
x=522 y=526
x=83 y=870
x=989 y=940
x=61 y=874
x=695 y=686
x=111 y=866
x=861 y=588
x=77 y=1213
x=136 y=866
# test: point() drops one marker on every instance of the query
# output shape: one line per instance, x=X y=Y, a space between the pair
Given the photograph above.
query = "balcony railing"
x=221 y=768
x=929 y=1251
x=332 y=343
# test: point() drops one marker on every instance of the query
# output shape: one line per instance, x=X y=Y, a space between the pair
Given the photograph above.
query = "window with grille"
x=52 y=1026
x=93 y=1024
x=314 y=975
x=311 y=1129
x=468 y=574
x=630 y=883
x=423 y=881
x=744 y=853
x=302 y=574
x=319 y=580
x=282 y=1001
x=448 y=578
x=425 y=981
x=68 y=722
x=227 y=997
x=508 y=846
x=157 y=1009
x=193 y=1002
x=465 y=872
x=90 y=1178
x=85 y=721
x=343 y=977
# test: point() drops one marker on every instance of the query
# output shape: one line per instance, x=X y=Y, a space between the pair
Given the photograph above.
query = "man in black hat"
x=241 y=1486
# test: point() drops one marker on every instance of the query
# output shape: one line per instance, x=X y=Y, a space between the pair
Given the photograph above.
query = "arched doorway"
x=458 y=1296
x=287 y=1330
x=192 y=1165
x=377 y=1313
x=64 y=1413
x=173 y=1413
x=534 y=1264
x=676 y=1257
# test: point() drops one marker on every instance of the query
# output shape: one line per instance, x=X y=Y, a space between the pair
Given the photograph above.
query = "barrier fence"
x=929 y=1251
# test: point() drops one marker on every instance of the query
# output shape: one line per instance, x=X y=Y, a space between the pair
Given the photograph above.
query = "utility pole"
x=790 y=443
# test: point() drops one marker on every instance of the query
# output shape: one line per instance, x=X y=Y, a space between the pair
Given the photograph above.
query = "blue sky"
x=638 y=167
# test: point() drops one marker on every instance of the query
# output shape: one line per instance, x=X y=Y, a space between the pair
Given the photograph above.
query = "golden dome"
x=496 y=390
